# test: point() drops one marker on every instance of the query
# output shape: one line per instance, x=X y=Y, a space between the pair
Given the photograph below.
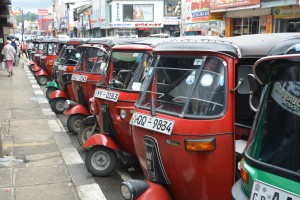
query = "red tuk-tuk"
x=112 y=106
x=192 y=110
x=53 y=47
x=88 y=72
x=64 y=66
x=37 y=52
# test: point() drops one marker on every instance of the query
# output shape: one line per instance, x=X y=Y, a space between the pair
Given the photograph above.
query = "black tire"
x=58 y=105
x=49 y=91
x=85 y=133
x=42 y=80
x=100 y=160
x=74 y=122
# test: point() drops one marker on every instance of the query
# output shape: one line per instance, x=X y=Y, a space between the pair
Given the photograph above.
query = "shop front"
x=286 y=18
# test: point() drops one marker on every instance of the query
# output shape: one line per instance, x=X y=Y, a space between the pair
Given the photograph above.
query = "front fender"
x=101 y=139
x=77 y=109
x=53 y=84
x=36 y=68
x=41 y=73
x=89 y=120
x=59 y=94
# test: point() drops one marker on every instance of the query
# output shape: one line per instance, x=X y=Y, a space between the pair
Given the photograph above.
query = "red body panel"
x=155 y=191
x=199 y=174
x=87 y=88
x=102 y=140
x=77 y=109
x=123 y=132
x=49 y=64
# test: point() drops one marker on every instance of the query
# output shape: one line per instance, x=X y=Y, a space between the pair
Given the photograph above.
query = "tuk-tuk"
x=112 y=106
x=64 y=64
x=270 y=168
x=89 y=71
x=192 y=116
x=53 y=46
x=37 y=51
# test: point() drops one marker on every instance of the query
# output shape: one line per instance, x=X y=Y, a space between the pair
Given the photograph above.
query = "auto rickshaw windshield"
x=129 y=68
x=275 y=139
x=91 y=61
x=185 y=86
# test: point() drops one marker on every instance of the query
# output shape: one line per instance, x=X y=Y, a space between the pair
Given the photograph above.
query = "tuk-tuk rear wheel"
x=42 y=80
x=100 y=160
x=85 y=132
x=49 y=91
x=74 y=122
x=58 y=105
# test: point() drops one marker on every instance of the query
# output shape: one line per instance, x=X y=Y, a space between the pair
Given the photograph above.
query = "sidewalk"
x=38 y=159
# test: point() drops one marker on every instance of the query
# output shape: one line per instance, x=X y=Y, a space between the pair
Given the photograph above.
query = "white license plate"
x=62 y=67
x=105 y=94
x=152 y=123
x=80 y=78
x=265 y=191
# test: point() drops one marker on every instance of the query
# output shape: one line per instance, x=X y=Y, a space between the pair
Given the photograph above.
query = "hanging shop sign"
x=286 y=12
x=224 y=4
x=199 y=10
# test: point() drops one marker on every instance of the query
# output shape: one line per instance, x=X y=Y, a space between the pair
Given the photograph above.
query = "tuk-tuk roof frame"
x=247 y=46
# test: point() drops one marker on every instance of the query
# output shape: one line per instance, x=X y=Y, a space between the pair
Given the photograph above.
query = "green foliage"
x=27 y=16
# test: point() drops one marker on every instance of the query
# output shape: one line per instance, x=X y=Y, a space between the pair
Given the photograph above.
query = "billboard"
x=138 y=12
x=42 y=12
x=223 y=4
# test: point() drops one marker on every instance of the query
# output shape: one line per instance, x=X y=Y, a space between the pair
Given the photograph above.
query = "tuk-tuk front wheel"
x=58 y=105
x=49 y=91
x=42 y=80
x=100 y=160
x=74 y=122
x=85 y=133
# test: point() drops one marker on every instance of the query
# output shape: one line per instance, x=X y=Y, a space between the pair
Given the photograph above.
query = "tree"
x=27 y=16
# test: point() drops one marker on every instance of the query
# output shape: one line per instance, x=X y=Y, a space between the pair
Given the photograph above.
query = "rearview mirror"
x=253 y=87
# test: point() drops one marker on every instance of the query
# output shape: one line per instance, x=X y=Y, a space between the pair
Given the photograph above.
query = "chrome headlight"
x=123 y=114
x=67 y=104
x=132 y=189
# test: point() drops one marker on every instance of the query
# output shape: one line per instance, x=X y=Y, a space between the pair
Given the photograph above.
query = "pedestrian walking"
x=29 y=49
x=14 y=44
x=9 y=53
x=24 y=49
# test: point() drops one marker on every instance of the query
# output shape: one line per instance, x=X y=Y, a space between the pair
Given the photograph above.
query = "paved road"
x=109 y=185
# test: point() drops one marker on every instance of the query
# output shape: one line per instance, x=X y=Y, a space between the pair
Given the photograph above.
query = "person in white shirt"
x=9 y=53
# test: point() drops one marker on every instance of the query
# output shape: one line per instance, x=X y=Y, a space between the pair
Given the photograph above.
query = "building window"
x=169 y=7
x=245 y=26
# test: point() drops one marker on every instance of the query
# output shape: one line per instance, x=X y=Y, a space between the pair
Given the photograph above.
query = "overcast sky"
x=32 y=5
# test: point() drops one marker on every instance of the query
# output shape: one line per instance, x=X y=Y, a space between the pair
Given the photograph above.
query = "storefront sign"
x=269 y=24
x=223 y=4
x=171 y=20
x=137 y=25
x=286 y=12
x=199 y=10
x=138 y=12
x=118 y=12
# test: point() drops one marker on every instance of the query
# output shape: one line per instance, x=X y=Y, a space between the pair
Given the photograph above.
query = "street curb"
x=86 y=188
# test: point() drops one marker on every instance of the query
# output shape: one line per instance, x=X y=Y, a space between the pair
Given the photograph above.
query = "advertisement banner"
x=286 y=12
x=224 y=4
x=138 y=12
x=200 y=10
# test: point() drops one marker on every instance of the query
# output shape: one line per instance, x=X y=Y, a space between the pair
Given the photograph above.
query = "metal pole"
x=1 y=142
x=22 y=26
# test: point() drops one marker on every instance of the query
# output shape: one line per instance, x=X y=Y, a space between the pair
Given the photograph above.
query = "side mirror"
x=253 y=87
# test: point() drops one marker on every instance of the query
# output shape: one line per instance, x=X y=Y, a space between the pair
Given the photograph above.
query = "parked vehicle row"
x=185 y=110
